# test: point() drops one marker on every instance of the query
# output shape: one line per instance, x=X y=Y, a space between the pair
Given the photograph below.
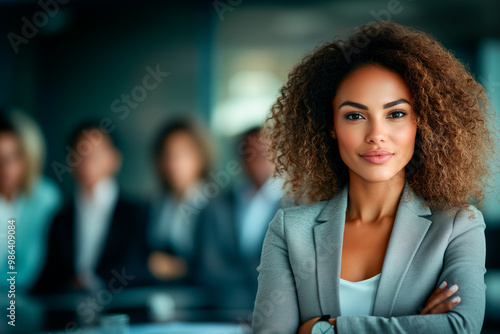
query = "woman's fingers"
x=434 y=294
x=445 y=307
x=438 y=297
x=437 y=291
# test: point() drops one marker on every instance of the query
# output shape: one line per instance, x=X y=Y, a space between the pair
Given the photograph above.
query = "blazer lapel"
x=408 y=231
x=328 y=238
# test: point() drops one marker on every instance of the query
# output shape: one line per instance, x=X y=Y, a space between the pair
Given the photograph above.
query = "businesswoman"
x=184 y=154
x=384 y=140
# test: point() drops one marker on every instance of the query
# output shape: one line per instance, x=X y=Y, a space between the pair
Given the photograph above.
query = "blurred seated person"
x=99 y=235
x=26 y=196
x=184 y=154
x=231 y=243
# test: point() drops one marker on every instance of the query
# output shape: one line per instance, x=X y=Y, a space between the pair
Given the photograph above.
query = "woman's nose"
x=376 y=132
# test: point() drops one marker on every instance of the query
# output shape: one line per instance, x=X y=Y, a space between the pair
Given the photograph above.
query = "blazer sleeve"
x=464 y=265
x=276 y=307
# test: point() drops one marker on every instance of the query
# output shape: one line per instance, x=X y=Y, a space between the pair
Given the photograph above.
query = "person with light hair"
x=26 y=196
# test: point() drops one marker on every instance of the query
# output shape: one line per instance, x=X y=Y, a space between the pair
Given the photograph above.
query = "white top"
x=358 y=298
x=93 y=219
x=173 y=222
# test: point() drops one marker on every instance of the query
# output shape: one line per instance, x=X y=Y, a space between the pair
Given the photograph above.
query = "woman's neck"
x=371 y=201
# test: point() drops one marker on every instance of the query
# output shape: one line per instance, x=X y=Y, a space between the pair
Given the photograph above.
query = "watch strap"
x=324 y=317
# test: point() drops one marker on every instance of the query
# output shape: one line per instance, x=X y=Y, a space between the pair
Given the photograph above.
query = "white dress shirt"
x=93 y=214
x=254 y=209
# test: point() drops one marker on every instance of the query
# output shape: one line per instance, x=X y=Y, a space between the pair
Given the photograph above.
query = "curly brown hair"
x=453 y=142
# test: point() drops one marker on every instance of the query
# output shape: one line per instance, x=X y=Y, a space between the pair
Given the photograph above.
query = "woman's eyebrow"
x=353 y=104
x=362 y=106
x=393 y=103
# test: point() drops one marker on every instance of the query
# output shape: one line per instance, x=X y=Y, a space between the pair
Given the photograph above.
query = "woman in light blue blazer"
x=27 y=197
x=384 y=141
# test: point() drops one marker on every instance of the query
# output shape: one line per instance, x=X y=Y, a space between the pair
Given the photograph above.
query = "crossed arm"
x=463 y=265
x=436 y=304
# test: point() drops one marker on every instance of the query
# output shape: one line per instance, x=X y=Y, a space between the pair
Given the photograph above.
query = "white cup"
x=115 y=324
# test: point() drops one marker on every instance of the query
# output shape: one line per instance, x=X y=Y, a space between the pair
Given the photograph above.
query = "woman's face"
x=181 y=162
x=374 y=123
x=12 y=163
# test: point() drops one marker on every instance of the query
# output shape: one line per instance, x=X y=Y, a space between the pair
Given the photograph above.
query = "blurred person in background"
x=184 y=155
x=257 y=199
x=25 y=196
x=100 y=231
x=230 y=244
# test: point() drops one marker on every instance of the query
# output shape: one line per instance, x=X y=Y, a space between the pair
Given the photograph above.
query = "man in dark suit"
x=230 y=242
x=99 y=236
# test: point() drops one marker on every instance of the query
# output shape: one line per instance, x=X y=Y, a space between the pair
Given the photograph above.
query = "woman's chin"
x=378 y=176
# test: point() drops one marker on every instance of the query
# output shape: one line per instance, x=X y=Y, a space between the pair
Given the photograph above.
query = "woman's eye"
x=353 y=116
x=397 y=114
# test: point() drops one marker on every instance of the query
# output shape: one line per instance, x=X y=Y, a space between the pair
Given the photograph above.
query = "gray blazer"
x=300 y=269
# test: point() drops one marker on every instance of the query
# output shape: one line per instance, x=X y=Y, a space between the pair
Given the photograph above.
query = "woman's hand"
x=436 y=303
x=166 y=267
x=306 y=327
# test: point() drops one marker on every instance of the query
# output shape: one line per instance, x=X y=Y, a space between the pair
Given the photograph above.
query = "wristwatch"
x=323 y=326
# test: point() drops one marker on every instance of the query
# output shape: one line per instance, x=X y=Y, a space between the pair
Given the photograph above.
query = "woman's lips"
x=377 y=157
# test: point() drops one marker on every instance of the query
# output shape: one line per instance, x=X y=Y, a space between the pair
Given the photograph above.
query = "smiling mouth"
x=377 y=157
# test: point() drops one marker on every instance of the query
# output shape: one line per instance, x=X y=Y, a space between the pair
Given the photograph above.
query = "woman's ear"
x=333 y=134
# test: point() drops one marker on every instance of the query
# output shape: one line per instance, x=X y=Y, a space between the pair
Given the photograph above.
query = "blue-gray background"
x=226 y=61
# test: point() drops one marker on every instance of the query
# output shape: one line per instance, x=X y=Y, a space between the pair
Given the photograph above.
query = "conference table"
x=173 y=328
x=154 y=309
